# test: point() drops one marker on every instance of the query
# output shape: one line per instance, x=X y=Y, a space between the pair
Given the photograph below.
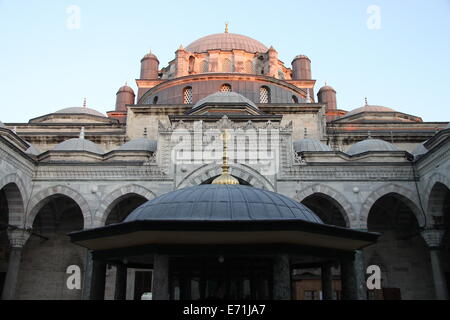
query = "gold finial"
x=226 y=27
x=225 y=177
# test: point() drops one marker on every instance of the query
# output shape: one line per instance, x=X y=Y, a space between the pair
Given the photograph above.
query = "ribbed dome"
x=226 y=41
x=371 y=145
x=125 y=88
x=369 y=108
x=78 y=144
x=139 y=144
x=80 y=110
x=219 y=98
x=224 y=203
x=310 y=145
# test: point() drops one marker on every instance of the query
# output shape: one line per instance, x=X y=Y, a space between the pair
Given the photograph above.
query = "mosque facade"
x=358 y=172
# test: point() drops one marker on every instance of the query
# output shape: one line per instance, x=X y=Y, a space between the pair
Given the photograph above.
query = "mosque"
x=225 y=175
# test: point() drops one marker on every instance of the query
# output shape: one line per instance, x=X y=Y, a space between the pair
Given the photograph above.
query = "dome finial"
x=145 y=132
x=226 y=27
x=84 y=103
x=369 y=135
x=225 y=177
x=82 y=133
x=365 y=100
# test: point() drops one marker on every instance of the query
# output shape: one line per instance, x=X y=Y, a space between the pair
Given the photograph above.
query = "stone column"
x=17 y=239
x=97 y=290
x=327 y=282
x=352 y=277
x=433 y=238
x=120 y=292
x=87 y=279
x=281 y=278
x=160 y=277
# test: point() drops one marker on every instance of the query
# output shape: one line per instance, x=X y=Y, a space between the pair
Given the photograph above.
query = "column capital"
x=433 y=237
x=18 y=237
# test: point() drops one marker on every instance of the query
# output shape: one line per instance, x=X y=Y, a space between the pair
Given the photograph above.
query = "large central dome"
x=226 y=41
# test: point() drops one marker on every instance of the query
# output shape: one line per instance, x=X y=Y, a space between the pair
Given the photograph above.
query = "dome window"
x=191 y=64
x=205 y=66
x=294 y=99
x=225 y=88
x=227 y=66
x=264 y=95
x=187 y=95
x=155 y=100
x=248 y=66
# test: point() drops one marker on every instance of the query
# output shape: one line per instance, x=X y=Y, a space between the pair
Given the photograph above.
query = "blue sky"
x=45 y=66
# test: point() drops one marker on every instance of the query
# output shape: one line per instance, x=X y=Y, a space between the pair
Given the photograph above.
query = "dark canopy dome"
x=224 y=203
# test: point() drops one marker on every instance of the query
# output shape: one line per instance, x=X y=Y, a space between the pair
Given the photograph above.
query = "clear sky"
x=396 y=53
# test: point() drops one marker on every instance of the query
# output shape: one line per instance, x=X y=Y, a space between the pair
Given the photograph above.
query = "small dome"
x=369 y=108
x=419 y=149
x=225 y=98
x=78 y=144
x=326 y=88
x=139 y=144
x=371 y=145
x=222 y=203
x=80 y=110
x=300 y=56
x=226 y=42
x=310 y=145
x=126 y=88
x=149 y=55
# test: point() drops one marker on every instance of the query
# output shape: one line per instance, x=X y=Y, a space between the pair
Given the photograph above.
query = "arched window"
x=191 y=64
x=155 y=100
x=187 y=95
x=227 y=66
x=294 y=99
x=248 y=66
x=205 y=66
x=225 y=88
x=280 y=74
x=264 y=95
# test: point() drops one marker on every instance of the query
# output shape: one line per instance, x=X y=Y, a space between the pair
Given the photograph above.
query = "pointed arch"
x=110 y=200
x=40 y=199
x=344 y=206
x=241 y=171
x=408 y=196
x=16 y=197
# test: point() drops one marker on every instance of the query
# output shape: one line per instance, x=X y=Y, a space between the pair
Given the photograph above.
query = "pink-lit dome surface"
x=226 y=41
x=370 y=108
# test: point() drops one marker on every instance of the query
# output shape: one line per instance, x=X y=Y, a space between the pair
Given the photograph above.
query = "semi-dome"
x=369 y=108
x=419 y=150
x=225 y=98
x=226 y=41
x=308 y=144
x=371 y=145
x=78 y=144
x=80 y=110
x=213 y=202
x=139 y=144
x=32 y=149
